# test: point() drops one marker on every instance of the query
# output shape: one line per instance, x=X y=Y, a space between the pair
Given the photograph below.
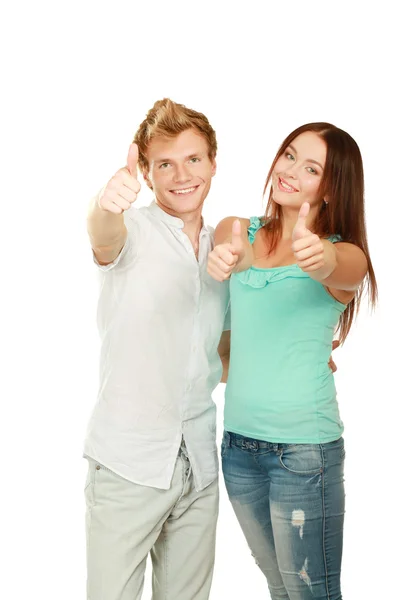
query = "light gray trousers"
x=126 y=521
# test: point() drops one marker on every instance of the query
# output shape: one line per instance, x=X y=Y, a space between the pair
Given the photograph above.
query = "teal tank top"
x=280 y=387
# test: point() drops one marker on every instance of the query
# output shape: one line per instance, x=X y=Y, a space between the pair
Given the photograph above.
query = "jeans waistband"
x=241 y=441
x=235 y=439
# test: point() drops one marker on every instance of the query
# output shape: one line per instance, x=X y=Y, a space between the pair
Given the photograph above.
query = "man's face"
x=180 y=172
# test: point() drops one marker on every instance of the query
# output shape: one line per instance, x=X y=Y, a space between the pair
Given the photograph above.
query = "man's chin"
x=183 y=206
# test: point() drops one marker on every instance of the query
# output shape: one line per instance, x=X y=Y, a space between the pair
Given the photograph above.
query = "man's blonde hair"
x=168 y=119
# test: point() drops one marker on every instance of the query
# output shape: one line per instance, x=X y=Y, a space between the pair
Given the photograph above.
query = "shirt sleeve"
x=137 y=229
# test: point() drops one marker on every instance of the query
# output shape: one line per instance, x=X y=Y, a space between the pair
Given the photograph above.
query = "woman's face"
x=297 y=174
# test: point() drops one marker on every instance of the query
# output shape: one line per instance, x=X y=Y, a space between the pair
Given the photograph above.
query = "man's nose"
x=182 y=174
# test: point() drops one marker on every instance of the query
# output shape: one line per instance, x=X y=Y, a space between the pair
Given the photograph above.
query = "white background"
x=77 y=79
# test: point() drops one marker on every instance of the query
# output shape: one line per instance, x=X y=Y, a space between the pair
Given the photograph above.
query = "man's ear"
x=145 y=174
x=214 y=168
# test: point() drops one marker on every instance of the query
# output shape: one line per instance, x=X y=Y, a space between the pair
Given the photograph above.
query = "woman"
x=297 y=276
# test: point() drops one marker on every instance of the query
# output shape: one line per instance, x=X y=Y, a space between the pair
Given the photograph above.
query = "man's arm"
x=105 y=223
x=107 y=232
x=224 y=351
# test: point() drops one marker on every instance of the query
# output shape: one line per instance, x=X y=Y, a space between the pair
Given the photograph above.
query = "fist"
x=307 y=247
x=122 y=189
x=223 y=259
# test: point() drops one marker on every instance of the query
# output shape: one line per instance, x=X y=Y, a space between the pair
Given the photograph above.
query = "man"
x=152 y=481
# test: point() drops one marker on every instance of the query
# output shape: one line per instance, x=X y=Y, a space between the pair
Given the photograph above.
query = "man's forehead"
x=186 y=144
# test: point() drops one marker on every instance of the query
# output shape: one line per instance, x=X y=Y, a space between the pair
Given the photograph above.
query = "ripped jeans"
x=289 y=501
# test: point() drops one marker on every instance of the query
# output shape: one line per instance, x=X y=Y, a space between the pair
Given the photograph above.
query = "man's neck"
x=192 y=224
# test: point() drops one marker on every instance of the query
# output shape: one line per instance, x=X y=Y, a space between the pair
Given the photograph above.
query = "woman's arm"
x=341 y=266
x=345 y=266
x=233 y=251
x=224 y=351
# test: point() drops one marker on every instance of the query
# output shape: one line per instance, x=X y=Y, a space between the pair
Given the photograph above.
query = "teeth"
x=286 y=186
x=184 y=191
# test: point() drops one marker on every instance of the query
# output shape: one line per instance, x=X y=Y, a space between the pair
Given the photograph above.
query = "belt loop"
x=228 y=440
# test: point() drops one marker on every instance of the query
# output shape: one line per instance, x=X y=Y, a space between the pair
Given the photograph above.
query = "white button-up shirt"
x=160 y=318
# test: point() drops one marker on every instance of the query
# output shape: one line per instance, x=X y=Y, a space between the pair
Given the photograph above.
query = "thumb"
x=301 y=223
x=303 y=214
x=132 y=160
x=237 y=242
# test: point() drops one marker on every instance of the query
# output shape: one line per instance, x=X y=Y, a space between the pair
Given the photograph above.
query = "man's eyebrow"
x=188 y=157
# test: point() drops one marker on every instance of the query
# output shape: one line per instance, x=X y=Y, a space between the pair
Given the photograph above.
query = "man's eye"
x=194 y=159
x=164 y=165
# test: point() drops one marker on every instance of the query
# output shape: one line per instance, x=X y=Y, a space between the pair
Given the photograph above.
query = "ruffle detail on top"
x=334 y=238
x=255 y=224
x=259 y=278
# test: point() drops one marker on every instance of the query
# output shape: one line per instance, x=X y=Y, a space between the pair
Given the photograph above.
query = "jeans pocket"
x=89 y=484
x=89 y=477
x=301 y=459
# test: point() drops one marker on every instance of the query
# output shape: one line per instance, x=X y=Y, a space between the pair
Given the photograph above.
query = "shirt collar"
x=163 y=216
x=174 y=221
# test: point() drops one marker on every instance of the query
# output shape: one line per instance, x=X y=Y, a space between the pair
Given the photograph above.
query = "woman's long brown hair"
x=343 y=184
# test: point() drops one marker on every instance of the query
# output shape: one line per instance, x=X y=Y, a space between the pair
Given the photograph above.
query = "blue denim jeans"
x=289 y=501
